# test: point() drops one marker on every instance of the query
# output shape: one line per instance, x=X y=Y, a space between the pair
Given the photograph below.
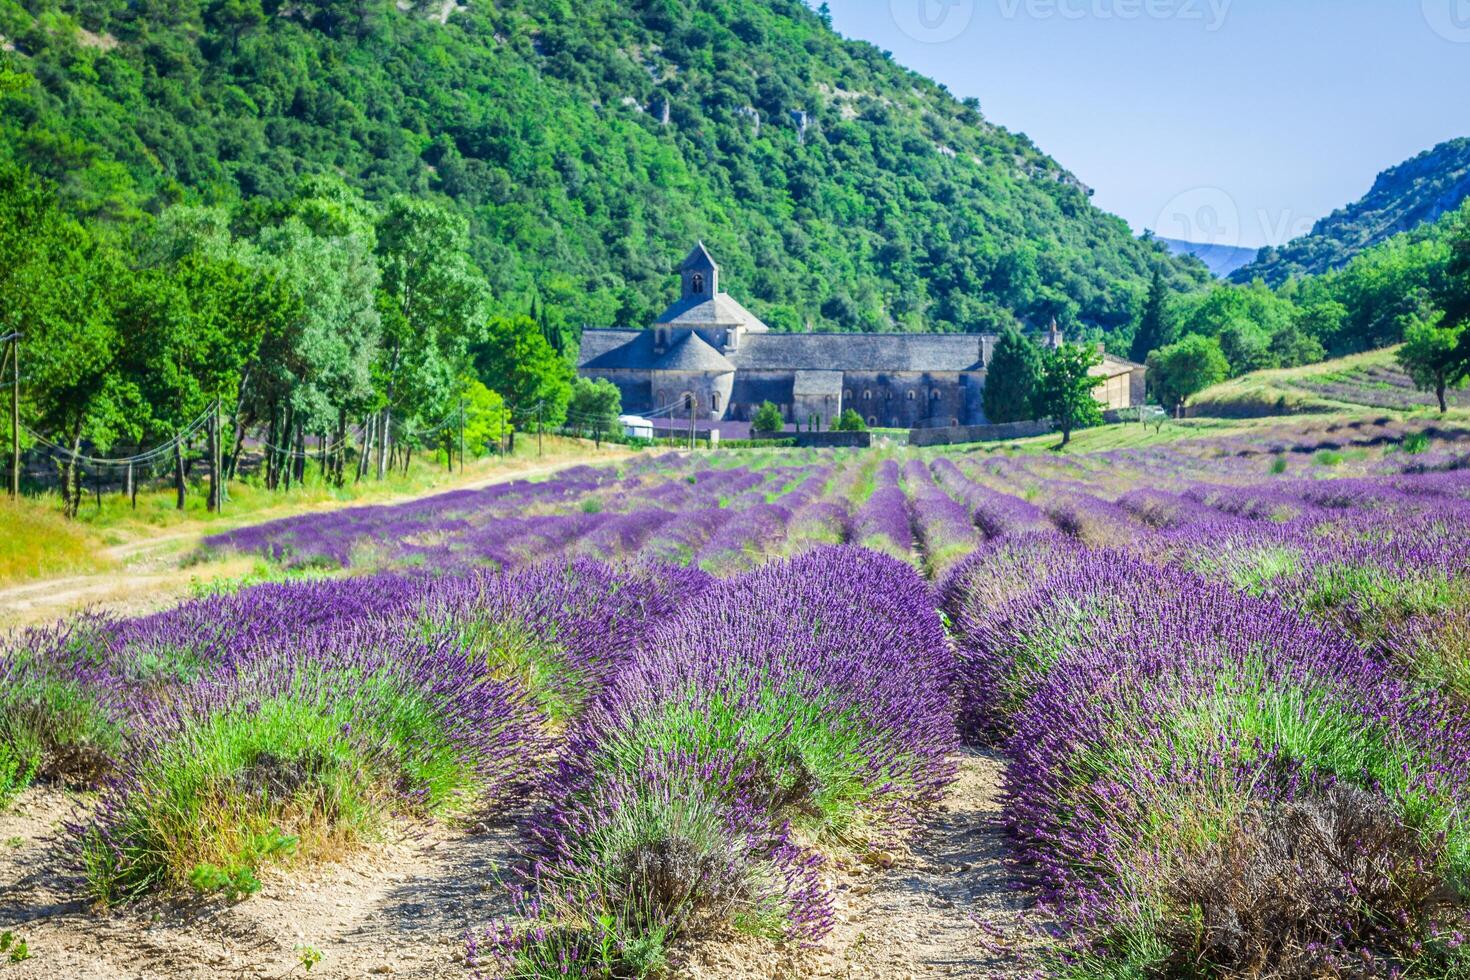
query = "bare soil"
x=402 y=907
x=944 y=908
x=399 y=908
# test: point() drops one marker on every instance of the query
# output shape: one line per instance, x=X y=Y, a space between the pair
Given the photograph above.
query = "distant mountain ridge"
x=1222 y=260
x=1404 y=197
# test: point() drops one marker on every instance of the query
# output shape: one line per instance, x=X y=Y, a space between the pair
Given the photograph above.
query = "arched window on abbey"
x=696 y=284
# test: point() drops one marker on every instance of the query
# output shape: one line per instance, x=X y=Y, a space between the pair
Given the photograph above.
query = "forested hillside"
x=1414 y=193
x=588 y=144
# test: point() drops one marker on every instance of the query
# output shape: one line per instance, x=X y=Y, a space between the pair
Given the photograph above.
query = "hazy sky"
x=1230 y=121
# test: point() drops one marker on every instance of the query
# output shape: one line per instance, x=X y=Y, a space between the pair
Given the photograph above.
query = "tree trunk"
x=179 y=474
x=369 y=433
x=300 y=453
x=271 y=442
x=287 y=463
x=65 y=484
x=237 y=441
x=385 y=433
x=211 y=502
x=1439 y=391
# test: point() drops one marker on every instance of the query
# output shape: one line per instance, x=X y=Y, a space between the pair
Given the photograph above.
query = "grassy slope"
x=1348 y=384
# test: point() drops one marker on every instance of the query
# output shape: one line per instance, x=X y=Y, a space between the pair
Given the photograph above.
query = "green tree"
x=595 y=406
x=1294 y=346
x=319 y=368
x=768 y=420
x=1154 y=329
x=1064 y=389
x=1452 y=292
x=60 y=285
x=516 y=360
x=1183 y=369
x=433 y=303
x=486 y=418
x=1011 y=379
x=849 y=421
x=1430 y=356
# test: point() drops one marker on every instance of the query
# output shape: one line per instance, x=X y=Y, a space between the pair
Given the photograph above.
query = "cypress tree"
x=1154 y=330
x=1010 y=383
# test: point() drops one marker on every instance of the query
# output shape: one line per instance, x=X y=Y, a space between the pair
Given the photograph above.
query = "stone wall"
x=831 y=440
x=979 y=433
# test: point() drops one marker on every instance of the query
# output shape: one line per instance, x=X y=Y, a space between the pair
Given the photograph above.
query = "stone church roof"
x=816 y=383
x=720 y=310
x=816 y=352
x=698 y=259
x=862 y=352
x=693 y=354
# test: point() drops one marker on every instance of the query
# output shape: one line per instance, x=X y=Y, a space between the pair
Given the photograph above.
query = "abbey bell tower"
x=700 y=274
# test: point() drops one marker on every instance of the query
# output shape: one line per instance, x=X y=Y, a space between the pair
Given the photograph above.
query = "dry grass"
x=39 y=543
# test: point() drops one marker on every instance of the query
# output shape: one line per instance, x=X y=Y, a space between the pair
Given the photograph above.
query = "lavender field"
x=1228 y=681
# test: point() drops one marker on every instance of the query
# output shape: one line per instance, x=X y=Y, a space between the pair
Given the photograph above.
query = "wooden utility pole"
x=15 y=415
x=691 y=423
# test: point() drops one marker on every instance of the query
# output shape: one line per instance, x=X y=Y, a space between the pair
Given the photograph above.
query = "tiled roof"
x=693 y=354
x=705 y=311
x=797 y=352
x=859 y=352
x=698 y=258
x=817 y=383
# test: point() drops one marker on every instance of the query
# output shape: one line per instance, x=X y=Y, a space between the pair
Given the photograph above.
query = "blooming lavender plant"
x=801 y=706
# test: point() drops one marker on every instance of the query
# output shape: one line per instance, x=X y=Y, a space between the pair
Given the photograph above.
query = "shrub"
x=61 y=715
x=293 y=758
x=767 y=420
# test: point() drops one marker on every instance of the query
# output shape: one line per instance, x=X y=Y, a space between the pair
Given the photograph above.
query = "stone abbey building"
x=710 y=351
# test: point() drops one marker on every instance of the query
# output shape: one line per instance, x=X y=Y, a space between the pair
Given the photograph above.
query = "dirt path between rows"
x=402 y=907
x=151 y=573
x=945 y=909
x=399 y=908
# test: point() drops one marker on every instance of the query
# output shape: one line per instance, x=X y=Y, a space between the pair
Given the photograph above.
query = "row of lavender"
x=699 y=746
x=1235 y=714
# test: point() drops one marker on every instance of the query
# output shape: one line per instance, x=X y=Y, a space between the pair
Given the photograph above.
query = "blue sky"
x=1231 y=121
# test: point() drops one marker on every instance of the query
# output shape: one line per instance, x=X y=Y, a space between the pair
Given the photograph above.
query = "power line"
x=144 y=457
